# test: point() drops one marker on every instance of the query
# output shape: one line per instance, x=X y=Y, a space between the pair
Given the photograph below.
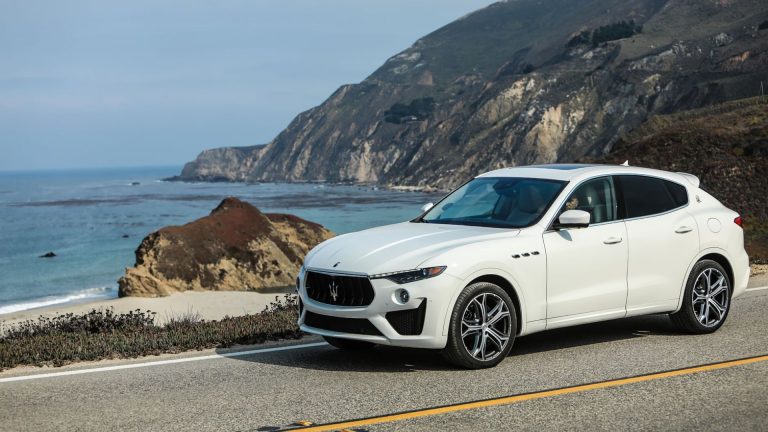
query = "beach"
x=207 y=305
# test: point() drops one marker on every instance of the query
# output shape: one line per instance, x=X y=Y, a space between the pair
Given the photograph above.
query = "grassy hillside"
x=725 y=145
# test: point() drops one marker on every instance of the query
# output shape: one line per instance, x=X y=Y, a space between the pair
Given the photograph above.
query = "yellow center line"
x=506 y=400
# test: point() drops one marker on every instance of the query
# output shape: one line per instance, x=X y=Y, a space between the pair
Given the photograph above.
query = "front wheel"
x=706 y=300
x=482 y=328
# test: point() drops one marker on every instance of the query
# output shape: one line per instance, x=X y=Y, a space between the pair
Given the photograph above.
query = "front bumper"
x=434 y=294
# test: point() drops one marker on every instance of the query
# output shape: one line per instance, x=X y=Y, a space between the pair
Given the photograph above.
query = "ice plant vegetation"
x=103 y=334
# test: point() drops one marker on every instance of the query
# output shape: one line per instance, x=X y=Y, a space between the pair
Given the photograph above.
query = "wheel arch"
x=505 y=282
x=723 y=261
x=509 y=289
x=717 y=255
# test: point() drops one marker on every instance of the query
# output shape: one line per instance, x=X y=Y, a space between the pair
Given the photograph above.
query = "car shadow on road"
x=596 y=333
x=395 y=359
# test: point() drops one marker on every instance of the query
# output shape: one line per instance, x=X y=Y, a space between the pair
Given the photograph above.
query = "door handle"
x=612 y=240
x=683 y=229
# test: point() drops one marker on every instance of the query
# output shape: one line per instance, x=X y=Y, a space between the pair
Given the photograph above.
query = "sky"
x=87 y=84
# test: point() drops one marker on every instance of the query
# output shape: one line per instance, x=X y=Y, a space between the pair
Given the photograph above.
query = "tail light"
x=739 y=221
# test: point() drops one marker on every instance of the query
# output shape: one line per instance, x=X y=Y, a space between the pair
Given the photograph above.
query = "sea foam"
x=76 y=297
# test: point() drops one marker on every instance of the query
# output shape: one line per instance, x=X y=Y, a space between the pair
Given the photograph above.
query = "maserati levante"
x=520 y=250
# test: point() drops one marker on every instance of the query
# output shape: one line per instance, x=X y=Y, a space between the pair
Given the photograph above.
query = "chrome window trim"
x=656 y=214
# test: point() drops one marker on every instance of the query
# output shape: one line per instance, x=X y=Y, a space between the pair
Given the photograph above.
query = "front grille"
x=343 y=325
x=408 y=322
x=339 y=290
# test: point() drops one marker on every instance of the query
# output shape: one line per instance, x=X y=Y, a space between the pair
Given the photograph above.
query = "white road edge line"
x=160 y=362
x=757 y=288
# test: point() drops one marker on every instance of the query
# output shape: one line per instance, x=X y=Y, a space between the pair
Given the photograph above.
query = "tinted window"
x=496 y=202
x=595 y=197
x=678 y=192
x=645 y=196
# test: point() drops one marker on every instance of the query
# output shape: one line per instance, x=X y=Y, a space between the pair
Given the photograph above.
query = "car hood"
x=397 y=247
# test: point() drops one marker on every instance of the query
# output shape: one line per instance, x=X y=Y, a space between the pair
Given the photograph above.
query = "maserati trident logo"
x=334 y=290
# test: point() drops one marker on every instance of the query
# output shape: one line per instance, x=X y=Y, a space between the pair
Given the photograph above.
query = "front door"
x=587 y=267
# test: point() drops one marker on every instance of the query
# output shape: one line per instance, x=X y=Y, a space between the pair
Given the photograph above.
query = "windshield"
x=502 y=202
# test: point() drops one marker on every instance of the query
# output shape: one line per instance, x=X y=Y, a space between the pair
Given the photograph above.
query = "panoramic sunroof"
x=563 y=167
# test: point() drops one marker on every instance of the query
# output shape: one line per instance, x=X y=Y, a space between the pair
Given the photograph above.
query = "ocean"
x=93 y=220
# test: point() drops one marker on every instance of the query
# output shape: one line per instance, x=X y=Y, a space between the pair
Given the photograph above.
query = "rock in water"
x=48 y=255
x=235 y=248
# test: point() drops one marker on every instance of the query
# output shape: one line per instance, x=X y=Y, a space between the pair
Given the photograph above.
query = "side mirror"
x=425 y=208
x=573 y=219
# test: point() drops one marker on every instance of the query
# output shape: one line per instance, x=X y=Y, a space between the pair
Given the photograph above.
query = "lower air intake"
x=408 y=322
x=342 y=325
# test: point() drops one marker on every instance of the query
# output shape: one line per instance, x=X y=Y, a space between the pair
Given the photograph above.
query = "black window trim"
x=619 y=193
x=617 y=197
x=623 y=204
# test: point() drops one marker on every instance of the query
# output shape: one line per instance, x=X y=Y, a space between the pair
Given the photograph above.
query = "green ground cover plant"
x=103 y=334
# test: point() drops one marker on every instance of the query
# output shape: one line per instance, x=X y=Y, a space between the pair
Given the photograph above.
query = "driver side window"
x=595 y=197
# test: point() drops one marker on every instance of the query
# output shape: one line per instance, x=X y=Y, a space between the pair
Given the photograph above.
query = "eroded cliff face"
x=235 y=248
x=506 y=91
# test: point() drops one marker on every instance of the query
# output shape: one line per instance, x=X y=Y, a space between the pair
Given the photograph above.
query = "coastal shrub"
x=104 y=335
x=417 y=109
x=528 y=68
x=606 y=33
x=581 y=38
x=615 y=31
x=93 y=322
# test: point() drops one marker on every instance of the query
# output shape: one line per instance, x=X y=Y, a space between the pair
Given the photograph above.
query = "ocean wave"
x=77 y=202
x=76 y=297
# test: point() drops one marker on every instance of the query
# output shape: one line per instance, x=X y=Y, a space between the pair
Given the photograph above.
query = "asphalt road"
x=271 y=390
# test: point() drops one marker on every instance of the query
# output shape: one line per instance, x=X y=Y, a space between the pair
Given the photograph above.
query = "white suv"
x=521 y=250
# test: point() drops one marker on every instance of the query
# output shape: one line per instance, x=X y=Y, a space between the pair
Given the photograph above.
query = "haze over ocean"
x=83 y=215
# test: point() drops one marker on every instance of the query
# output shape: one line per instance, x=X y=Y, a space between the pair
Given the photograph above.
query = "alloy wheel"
x=486 y=326
x=711 y=297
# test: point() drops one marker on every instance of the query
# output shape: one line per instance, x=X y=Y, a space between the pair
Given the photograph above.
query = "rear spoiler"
x=692 y=179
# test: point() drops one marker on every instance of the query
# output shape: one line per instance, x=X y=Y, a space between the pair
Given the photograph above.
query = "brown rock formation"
x=235 y=248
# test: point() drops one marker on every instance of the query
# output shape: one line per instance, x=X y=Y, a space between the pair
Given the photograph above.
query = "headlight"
x=404 y=277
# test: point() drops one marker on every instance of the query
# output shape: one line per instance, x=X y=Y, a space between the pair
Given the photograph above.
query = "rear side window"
x=645 y=196
x=678 y=192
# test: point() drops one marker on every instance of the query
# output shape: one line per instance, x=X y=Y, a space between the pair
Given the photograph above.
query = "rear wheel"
x=706 y=300
x=348 y=344
x=483 y=327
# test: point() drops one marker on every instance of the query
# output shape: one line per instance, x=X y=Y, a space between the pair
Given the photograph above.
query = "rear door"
x=663 y=240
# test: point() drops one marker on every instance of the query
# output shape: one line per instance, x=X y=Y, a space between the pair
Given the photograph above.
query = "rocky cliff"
x=518 y=82
x=235 y=248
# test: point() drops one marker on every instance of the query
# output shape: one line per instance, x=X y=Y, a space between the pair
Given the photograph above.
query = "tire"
x=469 y=351
x=701 y=311
x=348 y=344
